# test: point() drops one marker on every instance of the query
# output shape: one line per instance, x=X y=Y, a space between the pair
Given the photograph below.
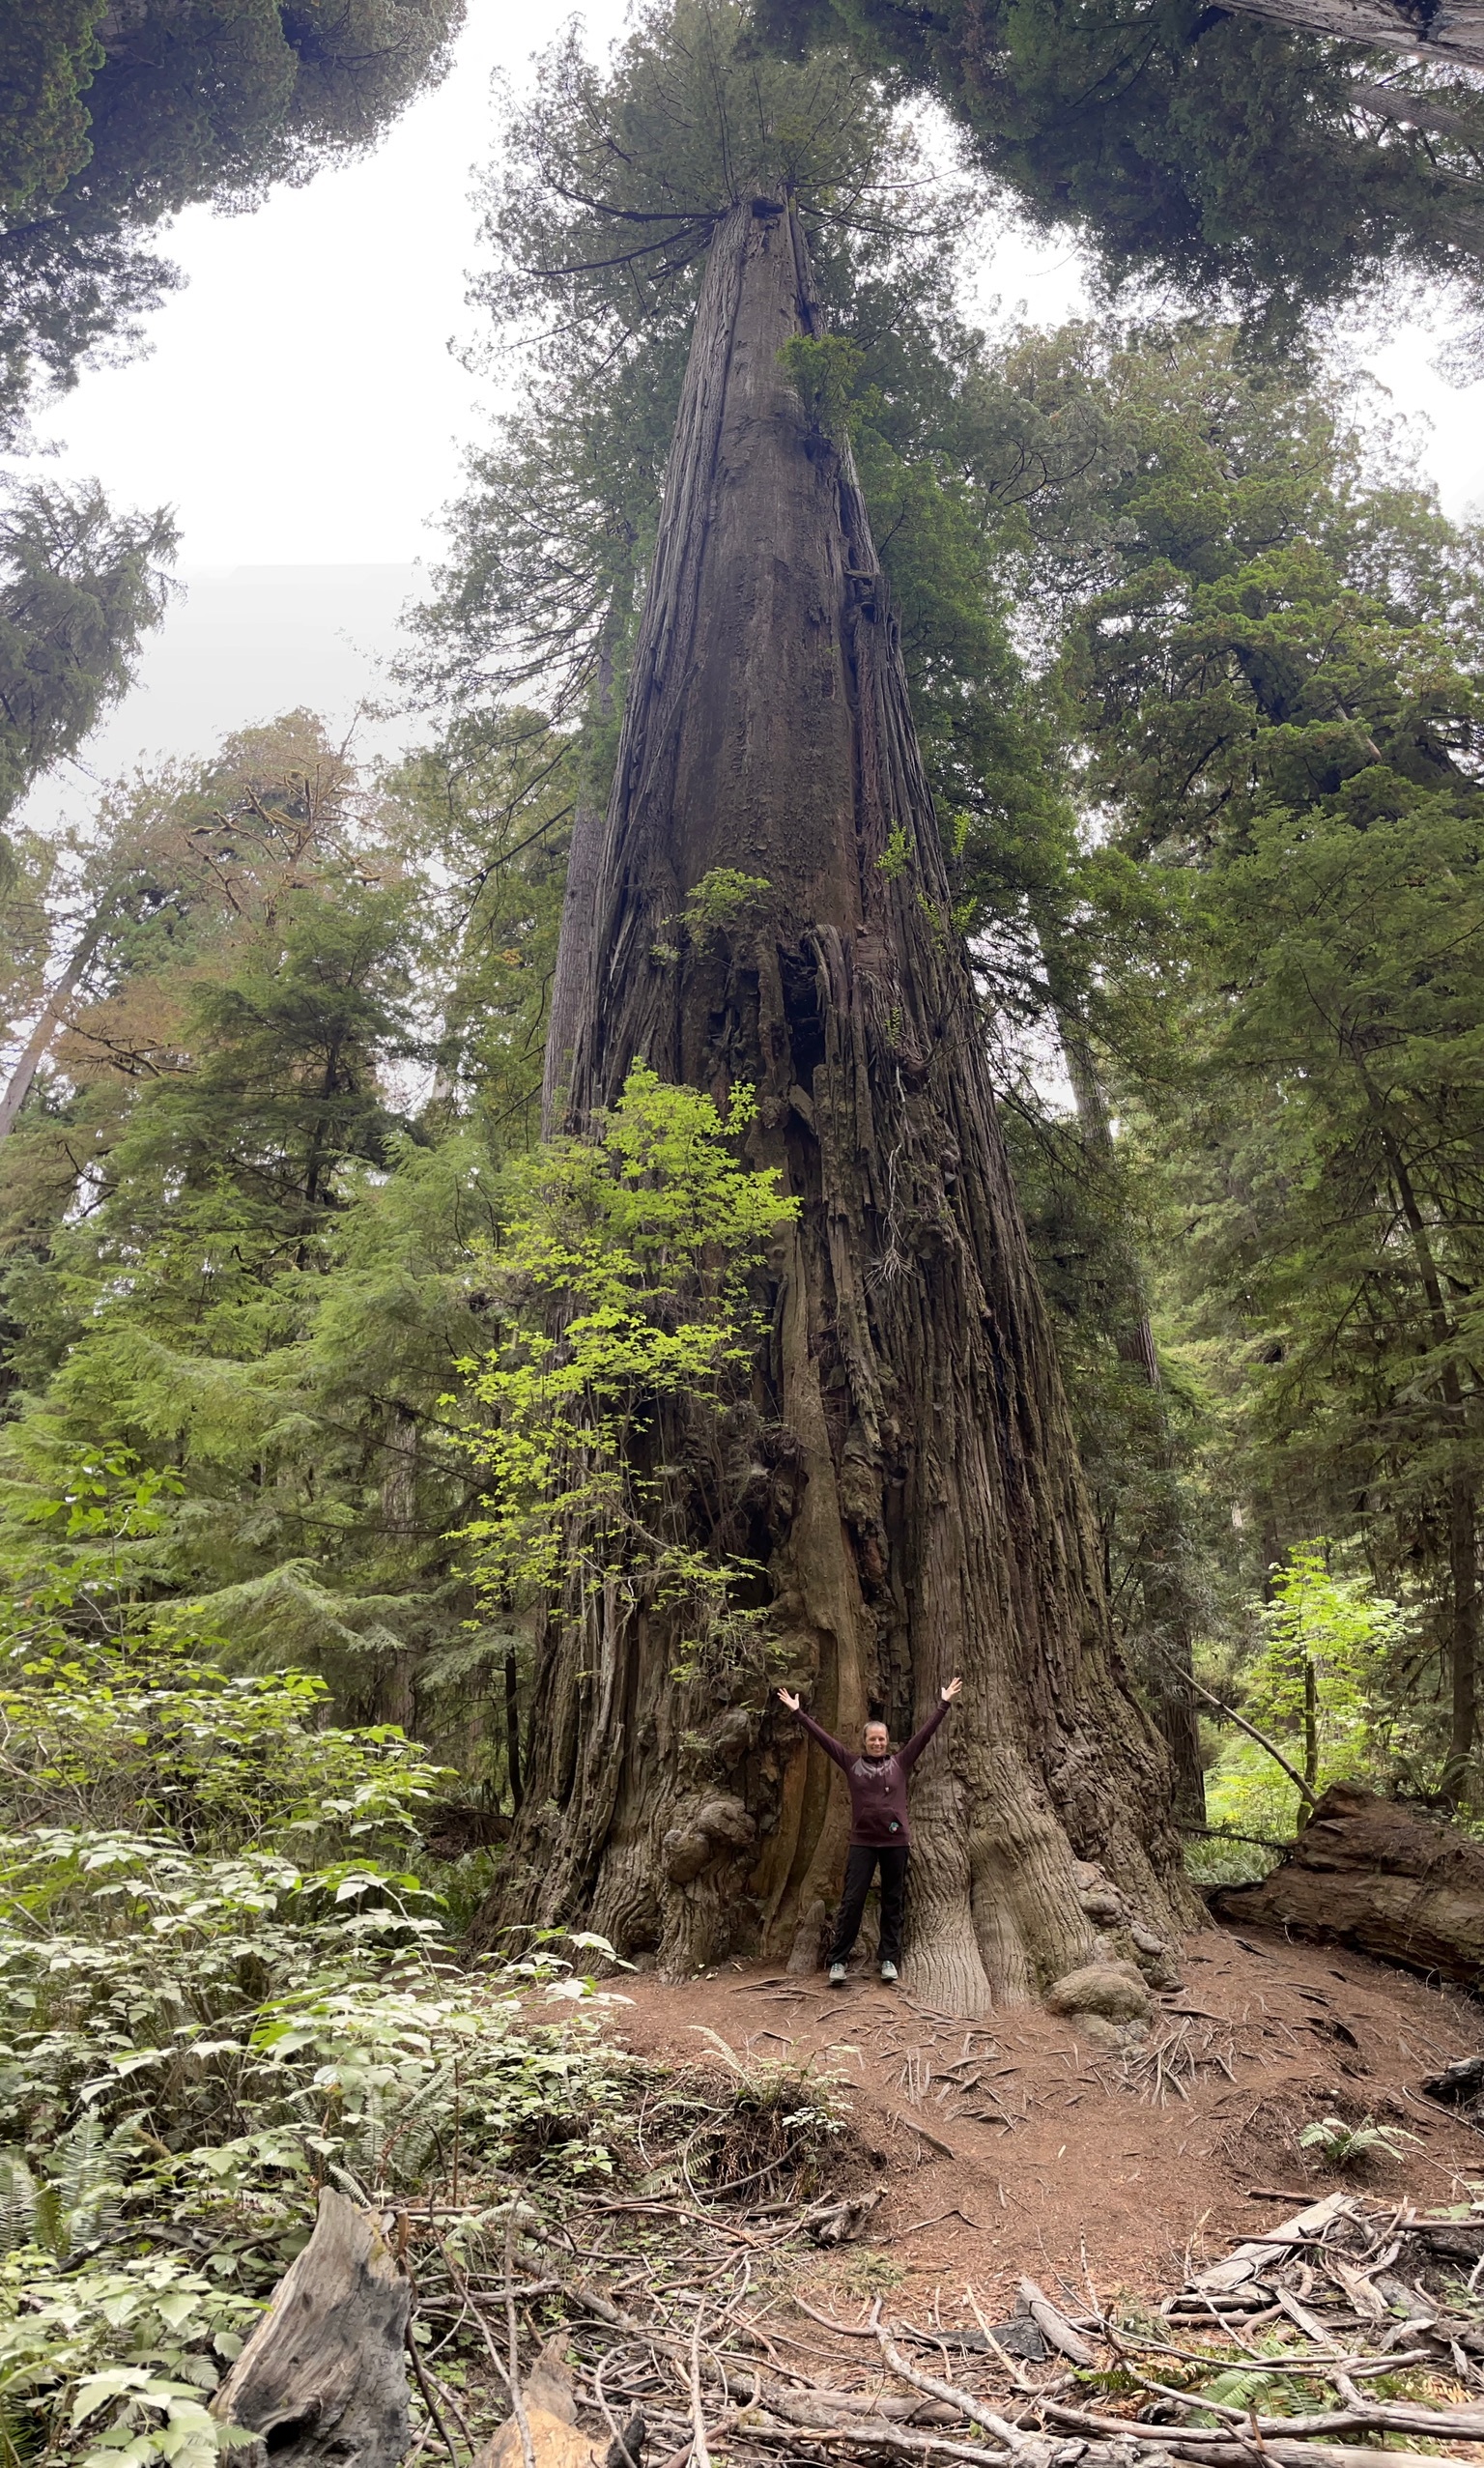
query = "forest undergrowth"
x=230 y=1978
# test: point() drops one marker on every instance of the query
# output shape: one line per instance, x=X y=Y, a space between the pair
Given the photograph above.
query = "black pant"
x=860 y=1868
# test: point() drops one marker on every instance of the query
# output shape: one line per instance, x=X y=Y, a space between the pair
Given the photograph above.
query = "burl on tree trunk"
x=322 y=2380
x=907 y=1477
x=1392 y=1880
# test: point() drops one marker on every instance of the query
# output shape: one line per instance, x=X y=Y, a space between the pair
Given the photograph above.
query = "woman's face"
x=877 y=1740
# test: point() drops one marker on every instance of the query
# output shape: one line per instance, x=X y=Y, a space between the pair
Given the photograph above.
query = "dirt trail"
x=1009 y=2147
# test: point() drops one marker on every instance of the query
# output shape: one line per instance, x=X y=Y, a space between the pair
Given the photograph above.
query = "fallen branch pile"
x=656 y=2347
x=673 y=2312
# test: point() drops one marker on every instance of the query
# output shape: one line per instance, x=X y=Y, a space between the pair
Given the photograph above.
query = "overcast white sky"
x=299 y=406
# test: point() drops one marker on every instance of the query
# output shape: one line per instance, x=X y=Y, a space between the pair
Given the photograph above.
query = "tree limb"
x=1309 y=1797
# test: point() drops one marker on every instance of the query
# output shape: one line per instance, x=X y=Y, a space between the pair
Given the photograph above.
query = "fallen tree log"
x=322 y=2380
x=1382 y=1875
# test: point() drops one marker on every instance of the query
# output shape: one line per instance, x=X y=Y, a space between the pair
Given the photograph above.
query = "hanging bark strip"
x=908 y=1476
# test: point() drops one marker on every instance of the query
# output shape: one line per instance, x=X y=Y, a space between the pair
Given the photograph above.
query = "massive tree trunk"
x=574 y=949
x=584 y=851
x=911 y=1484
x=1452 y=31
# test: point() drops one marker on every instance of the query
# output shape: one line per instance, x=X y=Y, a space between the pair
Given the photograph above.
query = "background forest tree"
x=114 y=119
x=1279 y=157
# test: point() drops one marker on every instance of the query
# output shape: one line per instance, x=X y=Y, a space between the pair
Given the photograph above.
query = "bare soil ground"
x=1009 y=2147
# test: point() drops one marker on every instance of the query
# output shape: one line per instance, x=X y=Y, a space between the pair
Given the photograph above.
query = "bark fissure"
x=916 y=1500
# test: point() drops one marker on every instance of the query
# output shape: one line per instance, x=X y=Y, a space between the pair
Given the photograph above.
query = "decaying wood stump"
x=1382 y=1875
x=322 y=2380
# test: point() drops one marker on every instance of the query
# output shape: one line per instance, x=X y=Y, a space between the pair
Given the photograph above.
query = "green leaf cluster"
x=621 y=1277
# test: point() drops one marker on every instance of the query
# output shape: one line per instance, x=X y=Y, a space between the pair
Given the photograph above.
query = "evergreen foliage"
x=1268 y=652
x=1221 y=156
x=1279 y=691
x=112 y=120
x=78 y=587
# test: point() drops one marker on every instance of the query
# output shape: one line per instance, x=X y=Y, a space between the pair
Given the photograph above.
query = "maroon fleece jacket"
x=878 y=1785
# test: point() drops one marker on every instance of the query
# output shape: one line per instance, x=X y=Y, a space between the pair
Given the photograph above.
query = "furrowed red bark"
x=574 y=944
x=572 y=951
x=911 y=1480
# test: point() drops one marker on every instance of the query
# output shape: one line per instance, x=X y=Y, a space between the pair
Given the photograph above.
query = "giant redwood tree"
x=909 y=1491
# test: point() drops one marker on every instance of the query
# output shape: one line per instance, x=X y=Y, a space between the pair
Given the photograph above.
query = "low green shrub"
x=226 y=1981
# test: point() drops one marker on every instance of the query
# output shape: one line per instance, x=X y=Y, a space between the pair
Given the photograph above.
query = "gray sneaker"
x=888 y=1971
x=837 y=1975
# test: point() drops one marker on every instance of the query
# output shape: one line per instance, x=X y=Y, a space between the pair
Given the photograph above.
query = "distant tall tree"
x=1160 y=1552
x=773 y=909
x=1266 y=152
x=1275 y=665
x=114 y=114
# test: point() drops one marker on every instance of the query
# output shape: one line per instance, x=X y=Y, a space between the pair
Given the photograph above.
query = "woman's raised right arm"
x=817 y=1730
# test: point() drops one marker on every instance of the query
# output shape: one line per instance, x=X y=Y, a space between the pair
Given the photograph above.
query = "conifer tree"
x=112 y=118
x=1276 y=672
x=1276 y=155
x=773 y=912
x=80 y=586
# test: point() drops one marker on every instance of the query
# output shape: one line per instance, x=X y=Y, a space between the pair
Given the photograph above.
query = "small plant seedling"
x=897 y=855
x=1341 y=2145
x=870 y=2275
